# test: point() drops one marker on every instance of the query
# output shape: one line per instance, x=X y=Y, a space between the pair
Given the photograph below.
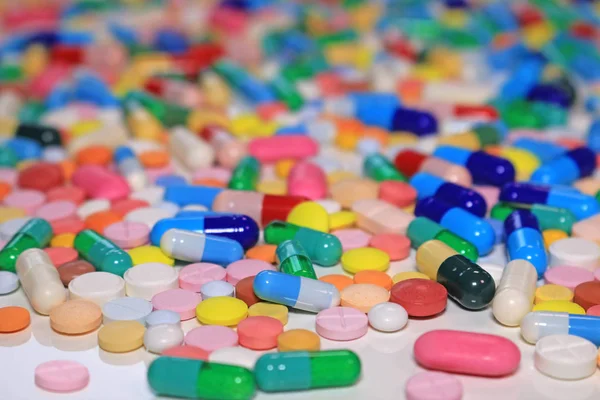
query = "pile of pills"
x=249 y=191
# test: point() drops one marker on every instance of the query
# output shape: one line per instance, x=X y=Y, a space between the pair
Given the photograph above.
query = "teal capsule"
x=293 y=260
x=245 y=175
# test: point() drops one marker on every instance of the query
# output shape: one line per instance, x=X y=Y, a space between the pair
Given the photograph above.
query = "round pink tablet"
x=342 y=323
x=26 y=199
x=241 y=269
x=397 y=246
x=430 y=385
x=400 y=194
x=186 y=352
x=8 y=175
x=259 y=332
x=61 y=255
x=568 y=276
x=57 y=210
x=181 y=301
x=67 y=225
x=193 y=276
x=68 y=193
x=61 y=376
x=352 y=238
x=128 y=234
x=594 y=310
x=217 y=173
x=211 y=337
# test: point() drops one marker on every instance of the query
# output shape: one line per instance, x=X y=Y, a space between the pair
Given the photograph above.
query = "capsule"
x=542 y=149
x=515 y=292
x=196 y=247
x=422 y=229
x=240 y=228
x=538 y=324
x=566 y=169
x=548 y=217
x=524 y=240
x=43 y=134
x=467 y=283
x=581 y=205
x=303 y=370
x=293 y=260
x=549 y=93
x=189 y=149
x=377 y=216
x=307 y=179
x=185 y=195
x=36 y=233
x=228 y=150
x=476 y=230
x=40 y=280
x=100 y=183
x=130 y=167
x=197 y=379
x=245 y=175
x=485 y=168
x=421 y=123
x=182 y=93
x=322 y=248
x=410 y=162
x=141 y=123
x=295 y=291
x=475 y=139
x=379 y=168
x=469 y=200
x=102 y=253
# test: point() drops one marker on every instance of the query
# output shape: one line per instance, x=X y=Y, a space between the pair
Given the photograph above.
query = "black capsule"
x=43 y=134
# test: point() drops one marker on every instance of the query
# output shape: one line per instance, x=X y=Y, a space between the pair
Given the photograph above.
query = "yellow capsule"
x=363 y=58
x=553 y=292
x=283 y=167
x=467 y=140
x=552 y=235
x=525 y=163
x=63 y=240
x=275 y=187
x=246 y=125
x=427 y=72
x=338 y=176
x=8 y=126
x=34 y=60
x=535 y=36
x=215 y=91
x=84 y=127
x=396 y=138
x=341 y=220
x=199 y=119
x=144 y=125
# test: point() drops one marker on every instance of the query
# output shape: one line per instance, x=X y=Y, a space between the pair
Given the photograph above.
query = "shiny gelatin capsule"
x=379 y=168
x=293 y=260
x=322 y=248
x=478 y=137
x=196 y=247
x=542 y=149
x=467 y=283
x=197 y=379
x=421 y=123
x=548 y=217
x=538 y=324
x=102 y=253
x=303 y=370
x=567 y=168
x=515 y=292
x=130 y=167
x=245 y=175
x=36 y=233
x=524 y=240
x=410 y=162
x=422 y=229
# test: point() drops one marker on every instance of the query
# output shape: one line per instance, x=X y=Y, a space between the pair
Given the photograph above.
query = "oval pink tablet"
x=211 y=337
x=68 y=193
x=61 y=376
x=400 y=194
x=397 y=246
x=187 y=352
x=568 y=276
x=433 y=386
x=307 y=179
x=57 y=210
x=128 y=234
x=259 y=332
x=100 y=183
x=241 y=269
x=467 y=353
x=61 y=255
x=193 y=276
x=342 y=323
x=594 y=310
x=181 y=301
x=283 y=147
x=352 y=238
x=25 y=199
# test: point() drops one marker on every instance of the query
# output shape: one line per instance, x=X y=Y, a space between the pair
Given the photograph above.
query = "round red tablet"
x=400 y=194
x=61 y=376
x=68 y=193
x=41 y=176
x=211 y=337
x=61 y=255
x=342 y=323
x=594 y=310
x=420 y=297
x=259 y=333
x=128 y=234
x=397 y=246
x=67 y=225
x=587 y=294
x=244 y=290
x=187 y=352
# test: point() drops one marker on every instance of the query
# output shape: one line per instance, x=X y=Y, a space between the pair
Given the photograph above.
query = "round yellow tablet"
x=298 y=340
x=225 y=311
x=553 y=292
x=63 y=240
x=559 y=306
x=552 y=235
x=148 y=254
x=402 y=276
x=342 y=219
x=310 y=215
x=264 y=309
x=275 y=187
x=365 y=258
x=121 y=336
x=8 y=213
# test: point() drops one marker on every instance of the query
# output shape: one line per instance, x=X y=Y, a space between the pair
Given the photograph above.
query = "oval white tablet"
x=388 y=317
x=160 y=317
x=146 y=280
x=98 y=287
x=148 y=215
x=92 y=206
x=126 y=309
x=575 y=252
x=158 y=338
x=9 y=282
x=239 y=356
x=565 y=357
x=216 y=289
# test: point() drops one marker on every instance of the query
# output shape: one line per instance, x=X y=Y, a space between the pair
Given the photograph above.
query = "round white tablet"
x=98 y=287
x=331 y=206
x=146 y=280
x=158 y=338
x=194 y=207
x=494 y=270
x=126 y=309
x=151 y=194
x=10 y=227
x=239 y=356
x=565 y=357
x=92 y=206
x=388 y=317
x=148 y=215
x=167 y=205
x=216 y=289
x=160 y=317
x=575 y=252
x=9 y=282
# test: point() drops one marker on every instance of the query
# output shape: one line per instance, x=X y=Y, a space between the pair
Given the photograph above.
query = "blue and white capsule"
x=130 y=167
x=469 y=200
x=567 y=168
x=199 y=247
x=524 y=240
x=294 y=291
x=538 y=324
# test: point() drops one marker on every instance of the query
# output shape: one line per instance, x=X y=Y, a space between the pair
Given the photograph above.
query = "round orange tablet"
x=339 y=281
x=98 y=221
x=378 y=278
x=67 y=167
x=14 y=319
x=5 y=189
x=154 y=158
x=95 y=155
x=364 y=296
x=264 y=252
x=75 y=317
x=298 y=340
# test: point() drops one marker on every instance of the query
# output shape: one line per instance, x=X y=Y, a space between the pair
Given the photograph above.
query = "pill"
x=365 y=258
x=56 y=210
x=71 y=270
x=337 y=280
x=127 y=234
x=587 y=294
x=181 y=301
x=352 y=238
x=551 y=291
x=238 y=356
x=244 y=290
x=430 y=385
x=515 y=293
x=567 y=276
x=298 y=340
x=98 y=287
x=576 y=252
x=61 y=376
x=264 y=252
x=396 y=246
x=387 y=317
x=238 y=270
x=76 y=317
x=559 y=306
x=13 y=319
x=420 y=297
x=9 y=282
x=126 y=309
x=121 y=336
x=146 y=280
x=148 y=254
x=309 y=215
x=341 y=323
x=216 y=289
x=211 y=338
x=225 y=311
x=402 y=276
x=259 y=332
x=264 y=309
x=193 y=276
x=565 y=357
x=363 y=296
x=191 y=352
x=376 y=216
x=158 y=338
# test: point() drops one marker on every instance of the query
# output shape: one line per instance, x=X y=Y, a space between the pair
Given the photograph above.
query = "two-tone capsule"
x=548 y=217
x=422 y=229
x=294 y=260
x=538 y=324
x=102 y=253
x=36 y=233
x=130 y=167
x=567 y=168
x=476 y=138
x=410 y=162
x=196 y=247
x=524 y=240
x=377 y=167
x=515 y=292
x=544 y=150
x=469 y=200
x=245 y=175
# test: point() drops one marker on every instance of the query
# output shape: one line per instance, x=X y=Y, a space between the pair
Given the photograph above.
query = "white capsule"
x=40 y=280
x=539 y=324
x=189 y=149
x=515 y=293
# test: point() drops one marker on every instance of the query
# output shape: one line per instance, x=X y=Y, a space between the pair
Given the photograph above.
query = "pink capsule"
x=42 y=85
x=307 y=179
x=285 y=147
x=229 y=151
x=100 y=183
